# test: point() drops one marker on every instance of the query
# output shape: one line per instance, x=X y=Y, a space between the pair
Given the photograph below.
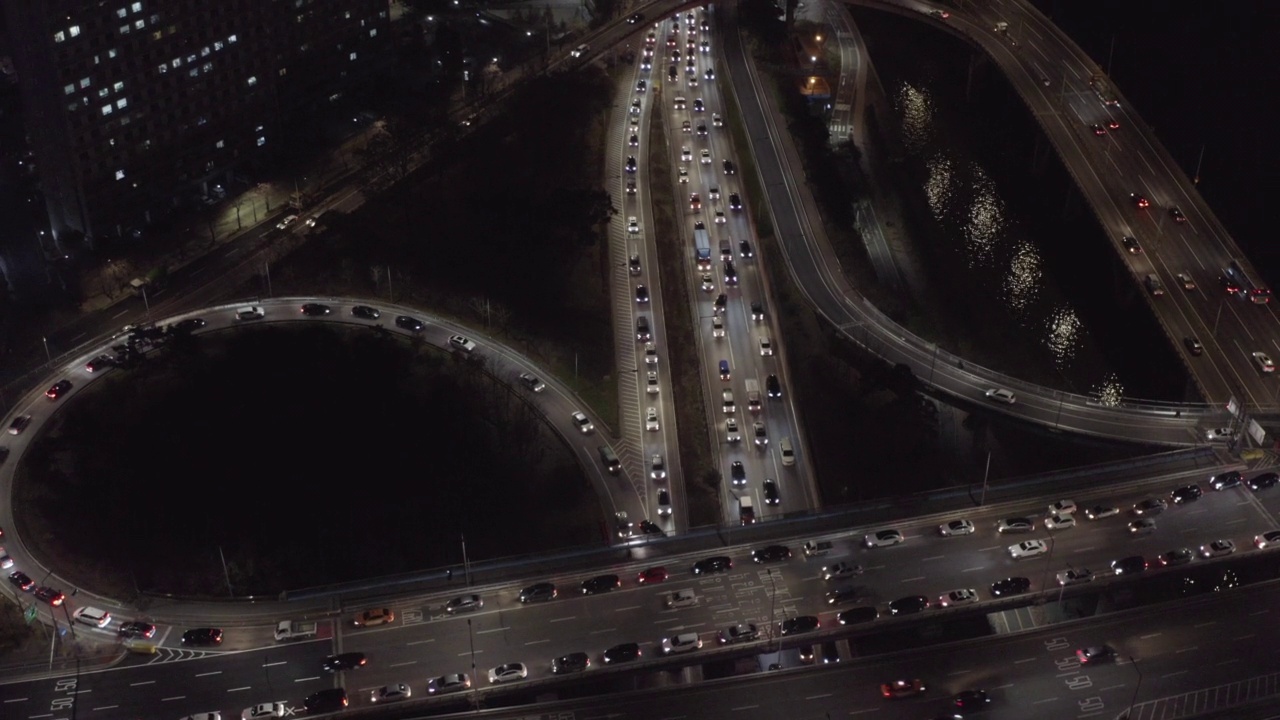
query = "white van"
x=682 y=598
x=92 y=616
x=462 y=342
x=250 y=312
x=788 y=453
x=580 y=50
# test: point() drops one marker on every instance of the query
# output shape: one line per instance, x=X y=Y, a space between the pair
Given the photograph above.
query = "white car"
x=580 y=50
x=651 y=385
x=1219 y=434
x=657 y=468
x=1060 y=522
x=683 y=174
x=681 y=599
x=1217 y=548
x=532 y=382
x=1062 y=507
x=714 y=192
x=760 y=434
x=708 y=283
x=1267 y=539
x=204 y=716
x=716 y=120
x=841 y=570
x=664 y=503
x=6 y=562
x=731 y=431
x=1097 y=512
x=1075 y=577
x=766 y=346
x=1001 y=395
x=963 y=596
x=462 y=342
x=651 y=419
x=286 y=222
x=720 y=218
x=706 y=156
x=1263 y=361
x=686 y=154
x=717 y=326
x=263 y=710
x=508 y=673
x=390 y=693
x=1028 y=549
x=633 y=226
x=682 y=643
x=956 y=527
x=883 y=538
x=582 y=423
x=650 y=354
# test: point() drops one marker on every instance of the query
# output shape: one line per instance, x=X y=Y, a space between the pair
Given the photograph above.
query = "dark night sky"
x=1202 y=74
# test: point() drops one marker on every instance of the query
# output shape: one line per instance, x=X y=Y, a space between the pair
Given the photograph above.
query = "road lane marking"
x=538 y=642
x=24 y=699
x=144 y=682
x=629 y=607
x=207 y=674
x=1024 y=660
x=410 y=662
x=1193 y=647
x=572 y=617
x=1148 y=637
x=958 y=672
x=1243 y=637
x=238 y=689
x=1006 y=686
x=1111 y=687
x=107 y=707
x=473 y=652
x=77 y=337
x=912 y=579
x=1207 y=624
x=1263 y=611
x=1173 y=674
x=817 y=697
x=183 y=697
x=1228 y=662
x=974 y=569
x=935 y=557
x=421 y=642
x=744 y=707
x=122 y=312
x=306 y=679
x=993 y=547
x=1046 y=700
x=604 y=630
x=1085 y=549
x=278 y=662
x=492 y=630
x=1233 y=522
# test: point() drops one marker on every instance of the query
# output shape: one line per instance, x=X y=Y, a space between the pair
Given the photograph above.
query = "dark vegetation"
x=304 y=455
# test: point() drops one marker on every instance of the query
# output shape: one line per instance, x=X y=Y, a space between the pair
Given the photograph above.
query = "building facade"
x=134 y=106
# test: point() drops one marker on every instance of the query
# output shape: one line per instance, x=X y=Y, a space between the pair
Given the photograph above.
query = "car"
x=883 y=538
x=316 y=310
x=390 y=693
x=1193 y=345
x=682 y=643
x=631 y=187
x=136 y=629
x=742 y=632
x=706 y=156
x=717 y=326
x=800 y=624
x=623 y=652
x=840 y=571
x=202 y=636
x=738 y=474
x=58 y=389
x=642 y=294
x=452 y=682
x=708 y=283
x=1098 y=129
x=411 y=324
x=720 y=218
x=19 y=424
x=1130 y=565
x=21 y=581
x=1181 y=556
x=729 y=169
x=1264 y=481
x=1145 y=526
x=902 y=688
x=857 y=615
x=581 y=422
x=286 y=222
x=652 y=575
x=830 y=652
x=657 y=468
x=635 y=106
x=1062 y=507
x=1263 y=361
x=538 y=592
x=631 y=163
x=682 y=174
x=638 y=17
x=956 y=527
x=1217 y=548
x=771 y=494
x=1131 y=244
x=1186 y=494
x=1060 y=522
x=1001 y=395
x=532 y=383
x=664 y=503
x=1075 y=576
x=509 y=672
x=215 y=715
x=573 y=662
x=1185 y=281
x=1095 y=654
x=1220 y=434
x=716 y=564
x=187 y=326
x=651 y=419
x=698 y=105
x=771 y=553
x=1139 y=201
x=633 y=225
x=375 y=616
x=725 y=373
x=643 y=332
x=650 y=354
x=735 y=202
x=716 y=120
x=1098 y=512
x=364 y=312
x=1113 y=124
x=1262 y=541
x=100 y=363
x=686 y=155
x=731 y=431
x=721 y=302
x=1177 y=215
x=648 y=527
x=6 y=561
x=464 y=603
x=757 y=310
x=971 y=701
x=963 y=596
x=773 y=387
x=601 y=584
x=1028 y=549
x=1225 y=480
x=744 y=249
x=760 y=434
x=344 y=661
x=1150 y=507
x=1010 y=586
x=1015 y=525
x=766 y=346
x=263 y=710
x=909 y=605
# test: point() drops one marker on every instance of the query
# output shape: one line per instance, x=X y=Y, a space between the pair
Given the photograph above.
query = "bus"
x=1256 y=292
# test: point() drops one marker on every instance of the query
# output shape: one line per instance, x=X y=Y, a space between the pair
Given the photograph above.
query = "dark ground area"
x=305 y=455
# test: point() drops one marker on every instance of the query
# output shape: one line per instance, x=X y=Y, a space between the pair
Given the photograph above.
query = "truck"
x=295 y=630
x=753 y=395
x=817 y=548
x=1103 y=90
x=702 y=248
x=746 y=511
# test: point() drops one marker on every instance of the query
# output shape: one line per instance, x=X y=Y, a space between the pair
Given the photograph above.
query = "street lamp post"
x=1134 y=700
x=48 y=356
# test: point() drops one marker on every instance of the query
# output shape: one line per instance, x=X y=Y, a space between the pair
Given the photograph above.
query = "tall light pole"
x=1134 y=700
x=47 y=354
